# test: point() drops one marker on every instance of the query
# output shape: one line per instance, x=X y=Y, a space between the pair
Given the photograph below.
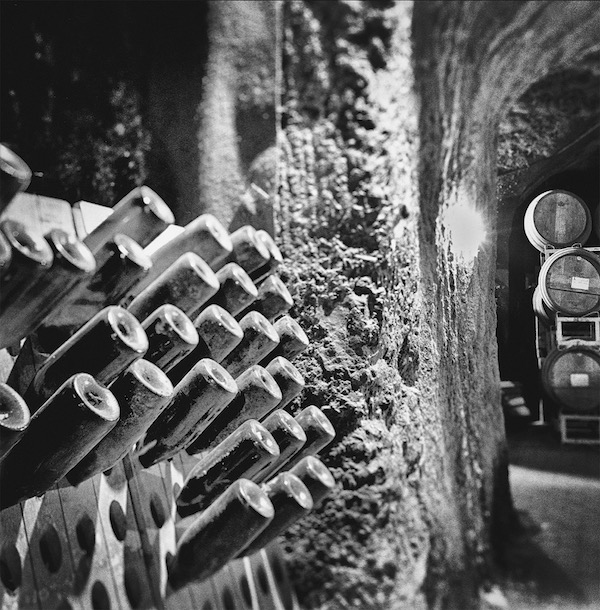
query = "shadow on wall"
x=100 y=97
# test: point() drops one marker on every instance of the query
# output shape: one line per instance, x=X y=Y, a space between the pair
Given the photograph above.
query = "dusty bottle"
x=289 y=436
x=115 y=256
x=73 y=262
x=218 y=335
x=124 y=264
x=188 y=283
x=219 y=331
x=171 y=336
x=220 y=532
x=59 y=435
x=31 y=257
x=241 y=455
x=288 y=378
x=205 y=237
x=258 y=275
x=319 y=433
x=121 y=262
x=237 y=291
x=197 y=400
x=249 y=252
x=316 y=476
x=14 y=419
x=142 y=392
x=260 y=339
x=15 y=175
x=141 y=215
x=273 y=300
x=257 y=393
x=291 y=500
x=104 y=348
x=292 y=339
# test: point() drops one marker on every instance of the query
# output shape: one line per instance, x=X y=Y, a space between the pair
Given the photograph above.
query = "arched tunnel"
x=570 y=164
x=375 y=140
x=516 y=327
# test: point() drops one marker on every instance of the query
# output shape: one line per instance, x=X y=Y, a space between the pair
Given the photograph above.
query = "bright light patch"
x=466 y=229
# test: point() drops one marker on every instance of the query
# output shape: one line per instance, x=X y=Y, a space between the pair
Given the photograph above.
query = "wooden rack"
x=104 y=544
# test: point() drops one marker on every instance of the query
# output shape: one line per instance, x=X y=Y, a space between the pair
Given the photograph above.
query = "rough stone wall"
x=390 y=123
x=550 y=115
x=369 y=543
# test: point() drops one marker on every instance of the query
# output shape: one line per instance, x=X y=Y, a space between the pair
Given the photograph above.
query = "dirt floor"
x=555 y=561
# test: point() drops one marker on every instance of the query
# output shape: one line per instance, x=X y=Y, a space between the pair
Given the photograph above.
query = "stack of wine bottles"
x=566 y=302
x=143 y=381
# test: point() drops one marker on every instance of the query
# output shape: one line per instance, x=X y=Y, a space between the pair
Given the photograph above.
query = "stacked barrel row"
x=187 y=350
x=558 y=223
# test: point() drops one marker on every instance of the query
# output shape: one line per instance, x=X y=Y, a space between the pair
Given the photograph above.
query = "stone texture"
x=548 y=116
x=390 y=121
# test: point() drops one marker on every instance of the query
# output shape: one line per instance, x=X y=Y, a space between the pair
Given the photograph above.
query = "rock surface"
x=390 y=129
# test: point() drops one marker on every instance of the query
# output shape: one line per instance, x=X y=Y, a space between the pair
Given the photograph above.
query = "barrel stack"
x=566 y=303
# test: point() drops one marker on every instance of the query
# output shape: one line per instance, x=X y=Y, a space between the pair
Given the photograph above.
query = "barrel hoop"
x=551 y=285
x=539 y=307
x=588 y=287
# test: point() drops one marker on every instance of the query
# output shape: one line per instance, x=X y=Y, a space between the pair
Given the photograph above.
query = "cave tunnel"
x=542 y=445
x=402 y=357
x=554 y=126
x=517 y=272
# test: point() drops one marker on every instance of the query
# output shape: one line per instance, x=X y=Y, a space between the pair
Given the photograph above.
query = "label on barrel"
x=580 y=380
x=580 y=283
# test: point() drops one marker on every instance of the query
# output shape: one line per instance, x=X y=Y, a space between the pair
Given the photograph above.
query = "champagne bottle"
x=59 y=435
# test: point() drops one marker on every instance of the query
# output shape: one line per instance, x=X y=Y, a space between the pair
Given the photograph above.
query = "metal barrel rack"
x=567 y=314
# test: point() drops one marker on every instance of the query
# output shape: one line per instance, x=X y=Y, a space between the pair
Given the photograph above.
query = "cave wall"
x=390 y=125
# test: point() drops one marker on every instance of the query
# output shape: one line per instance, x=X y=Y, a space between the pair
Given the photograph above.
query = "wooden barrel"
x=571 y=378
x=539 y=307
x=569 y=282
x=558 y=219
